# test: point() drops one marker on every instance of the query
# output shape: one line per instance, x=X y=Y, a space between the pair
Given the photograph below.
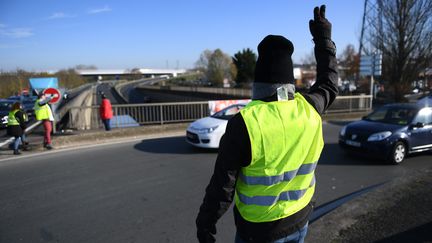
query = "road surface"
x=144 y=191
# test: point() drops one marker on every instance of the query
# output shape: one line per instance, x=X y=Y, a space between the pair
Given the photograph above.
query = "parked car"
x=5 y=106
x=207 y=132
x=28 y=105
x=390 y=132
x=15 y=98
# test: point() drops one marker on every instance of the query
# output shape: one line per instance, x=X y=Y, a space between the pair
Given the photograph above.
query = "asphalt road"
x=144 y=191
x=136 y=97
x=106 y=87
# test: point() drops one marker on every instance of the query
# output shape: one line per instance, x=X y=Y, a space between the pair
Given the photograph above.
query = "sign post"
x=55 y=97
x=371 y=65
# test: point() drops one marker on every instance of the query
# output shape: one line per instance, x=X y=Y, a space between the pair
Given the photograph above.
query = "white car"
x=207 y=132
x=425 y=101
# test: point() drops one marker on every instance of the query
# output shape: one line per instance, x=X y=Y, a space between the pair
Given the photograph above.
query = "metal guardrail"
x=28 y=130
x=353 y=103
x=161 y=113
x=143 y=114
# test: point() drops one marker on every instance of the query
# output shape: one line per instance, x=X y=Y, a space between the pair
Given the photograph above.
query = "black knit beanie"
x=274 y=66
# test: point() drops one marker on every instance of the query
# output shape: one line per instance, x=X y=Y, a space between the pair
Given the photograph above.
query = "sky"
x=47 y=35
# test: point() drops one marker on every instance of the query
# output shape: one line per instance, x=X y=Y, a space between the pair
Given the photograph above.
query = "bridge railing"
x=128 y=115
x=355 y=103
x=141 y=114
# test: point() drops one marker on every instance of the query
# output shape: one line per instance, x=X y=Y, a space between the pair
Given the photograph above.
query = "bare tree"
x=216 y=66
x=69 y=78
x=309 y=59
x=405 y=40
x=203 y=61
x=349 y=60
x=220 y=67
x=135 y=73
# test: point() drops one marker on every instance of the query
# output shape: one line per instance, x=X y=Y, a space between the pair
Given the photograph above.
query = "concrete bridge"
x=147 y=72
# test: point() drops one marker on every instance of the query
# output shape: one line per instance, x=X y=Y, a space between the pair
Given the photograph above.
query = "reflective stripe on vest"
x=270 y=200
x=41 y=112
x=12 y=121
x=286 y=142
x=287 y=176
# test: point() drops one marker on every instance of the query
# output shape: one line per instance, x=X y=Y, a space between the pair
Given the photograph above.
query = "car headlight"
x=379 y=136
x=343 y=131
x=207 y=130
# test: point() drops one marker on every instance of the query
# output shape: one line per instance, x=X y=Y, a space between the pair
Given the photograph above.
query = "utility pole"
x=371 y=23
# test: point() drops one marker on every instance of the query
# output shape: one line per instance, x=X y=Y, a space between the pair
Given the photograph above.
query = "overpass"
x=141 y=71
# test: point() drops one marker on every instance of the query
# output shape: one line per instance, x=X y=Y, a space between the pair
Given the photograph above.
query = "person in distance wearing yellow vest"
x=43 y=113
x=270 y=150
x=16 y=125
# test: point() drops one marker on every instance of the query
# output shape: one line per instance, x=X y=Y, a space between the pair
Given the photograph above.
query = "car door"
x=421 y=136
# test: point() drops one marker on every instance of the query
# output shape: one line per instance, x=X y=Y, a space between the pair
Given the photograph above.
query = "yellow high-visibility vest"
x=286 y=143
x=12 y=121
x=41 y=112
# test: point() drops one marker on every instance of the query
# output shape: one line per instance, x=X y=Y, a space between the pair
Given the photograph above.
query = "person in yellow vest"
x=16 y=125
x=270 y=150
x=43 y=113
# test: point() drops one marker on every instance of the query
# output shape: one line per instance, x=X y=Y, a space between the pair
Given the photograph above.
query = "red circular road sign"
x=54 y=93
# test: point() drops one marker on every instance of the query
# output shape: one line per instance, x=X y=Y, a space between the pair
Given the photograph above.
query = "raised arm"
x=322 y=94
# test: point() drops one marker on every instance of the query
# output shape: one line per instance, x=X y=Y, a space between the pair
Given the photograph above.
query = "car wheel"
x=398 y=153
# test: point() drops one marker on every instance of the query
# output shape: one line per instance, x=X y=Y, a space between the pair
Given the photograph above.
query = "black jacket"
x=17 y=130
x=235 y=152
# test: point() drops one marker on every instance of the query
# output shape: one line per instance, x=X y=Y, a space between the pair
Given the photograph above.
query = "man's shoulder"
x=236 y=125
x=19 y=113
x=237 y=119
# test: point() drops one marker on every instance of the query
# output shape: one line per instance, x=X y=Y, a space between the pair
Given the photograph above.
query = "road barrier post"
x=161 y=114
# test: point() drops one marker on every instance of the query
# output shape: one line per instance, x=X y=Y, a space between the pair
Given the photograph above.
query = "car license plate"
x=353 y=143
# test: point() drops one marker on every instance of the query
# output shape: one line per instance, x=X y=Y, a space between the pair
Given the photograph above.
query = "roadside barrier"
x=27 y=131
x=161 y=113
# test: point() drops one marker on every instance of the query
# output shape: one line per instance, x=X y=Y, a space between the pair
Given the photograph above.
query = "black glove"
x=206 y=235
x=320 y=27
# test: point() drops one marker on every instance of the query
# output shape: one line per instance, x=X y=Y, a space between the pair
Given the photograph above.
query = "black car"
x=390 y=132
x=5 y=106
x=28 y=105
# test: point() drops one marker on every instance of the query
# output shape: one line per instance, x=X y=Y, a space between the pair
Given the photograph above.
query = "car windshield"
x=228 y=112
x=28 y=102
x=5 y=106
x=393 y=115
x=14 y=98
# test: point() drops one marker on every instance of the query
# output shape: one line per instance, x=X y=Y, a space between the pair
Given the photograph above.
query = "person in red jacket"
x=106 y=112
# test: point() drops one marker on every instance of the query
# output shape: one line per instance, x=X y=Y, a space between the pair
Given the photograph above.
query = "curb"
x=100 y=136
x=386 y=213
